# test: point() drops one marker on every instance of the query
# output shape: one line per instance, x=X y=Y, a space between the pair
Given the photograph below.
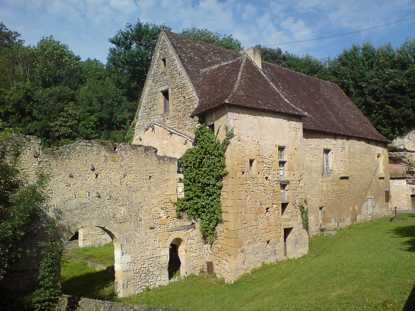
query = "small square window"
x=166 y=104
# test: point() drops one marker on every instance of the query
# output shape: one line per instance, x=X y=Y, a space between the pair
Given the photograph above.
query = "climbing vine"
x=304 y=216
x=203 y=168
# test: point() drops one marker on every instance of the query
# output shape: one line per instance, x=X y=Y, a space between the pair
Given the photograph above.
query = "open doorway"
x=287 y=232
x=89 y=271
x=174 y=259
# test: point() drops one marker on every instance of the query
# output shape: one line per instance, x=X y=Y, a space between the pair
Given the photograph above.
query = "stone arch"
x=118 y=268
x=176 y=263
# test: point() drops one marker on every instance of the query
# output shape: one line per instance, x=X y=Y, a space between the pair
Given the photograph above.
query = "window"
x=165 y=95
x=281 y=153
x=327 y=162
x=320 y=217
x=211 y=127
x=281 y=169
x=281 y=161
x=287 y=232
x=163 y=61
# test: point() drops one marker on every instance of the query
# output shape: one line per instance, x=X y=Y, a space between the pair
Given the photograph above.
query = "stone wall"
x=182 y=96
x=252 y=232
x=92 y=236
x=355 y=189
x=130 y=193
x=167 y=141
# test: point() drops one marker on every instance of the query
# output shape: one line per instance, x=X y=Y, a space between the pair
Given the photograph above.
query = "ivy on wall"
x=203 y=169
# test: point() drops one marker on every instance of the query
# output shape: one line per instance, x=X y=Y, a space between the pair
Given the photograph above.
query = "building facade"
x=303 y=160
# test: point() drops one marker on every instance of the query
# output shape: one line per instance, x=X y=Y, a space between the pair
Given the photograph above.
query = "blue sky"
x=86 y=25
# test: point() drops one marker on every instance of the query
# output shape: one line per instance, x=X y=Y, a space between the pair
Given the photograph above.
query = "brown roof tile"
x=328 y=108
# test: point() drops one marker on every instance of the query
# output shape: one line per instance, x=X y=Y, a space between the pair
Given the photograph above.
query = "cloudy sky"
x=86 y=25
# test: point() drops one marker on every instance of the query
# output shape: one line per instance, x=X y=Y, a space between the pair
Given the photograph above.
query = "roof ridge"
x=183 y=37
x=220 y=64
x=238 y=79
x=299 y=73
x=276 y=89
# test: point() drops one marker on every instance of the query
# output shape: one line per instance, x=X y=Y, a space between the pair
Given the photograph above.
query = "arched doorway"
x=174 y=259
x=88 y=271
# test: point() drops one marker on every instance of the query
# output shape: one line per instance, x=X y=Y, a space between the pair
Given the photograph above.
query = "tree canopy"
x=48 y=91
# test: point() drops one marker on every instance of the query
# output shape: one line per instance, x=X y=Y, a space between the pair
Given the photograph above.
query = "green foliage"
x=204 y=35
x=381 y=81
x=21 y=214
x=130 y=56
x=203 y=169
x=20 y=209
x=306 y=64
x=48 y=289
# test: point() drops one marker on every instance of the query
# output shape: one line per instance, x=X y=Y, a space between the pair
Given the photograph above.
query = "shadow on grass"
x=410 y=302
x=99 y=284
x=407 y=232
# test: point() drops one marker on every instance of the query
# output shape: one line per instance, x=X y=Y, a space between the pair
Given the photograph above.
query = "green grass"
x=367 y=266
x=80 y=279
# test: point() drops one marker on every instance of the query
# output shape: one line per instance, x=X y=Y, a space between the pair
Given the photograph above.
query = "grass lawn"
x=93 y=280
x=367 y=266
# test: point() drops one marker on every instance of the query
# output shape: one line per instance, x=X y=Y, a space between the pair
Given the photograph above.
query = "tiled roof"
x=225 y=77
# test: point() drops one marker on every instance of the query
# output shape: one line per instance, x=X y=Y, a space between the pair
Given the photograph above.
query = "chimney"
x=255 y=55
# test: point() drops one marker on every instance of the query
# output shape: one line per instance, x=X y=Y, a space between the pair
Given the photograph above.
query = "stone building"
x=402 y=172
x=300 y=143
x=302 y=153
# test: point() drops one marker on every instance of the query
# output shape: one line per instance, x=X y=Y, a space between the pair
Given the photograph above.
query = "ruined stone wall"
x=167 y=141
x=92 y=236
x=182 y=97
x=252 y=232
x=402 y=195
x=354 y=191
x=130 y=193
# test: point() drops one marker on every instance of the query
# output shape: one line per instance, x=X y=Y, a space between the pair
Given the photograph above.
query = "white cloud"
x=266 y=22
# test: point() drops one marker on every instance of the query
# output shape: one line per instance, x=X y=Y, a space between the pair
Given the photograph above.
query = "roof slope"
x=222 y=76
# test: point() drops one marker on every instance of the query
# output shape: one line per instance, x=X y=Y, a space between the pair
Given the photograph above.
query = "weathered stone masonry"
x=130 y=193
x=299 y=143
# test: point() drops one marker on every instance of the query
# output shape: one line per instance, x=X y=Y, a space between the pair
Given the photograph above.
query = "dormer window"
x=166 y=103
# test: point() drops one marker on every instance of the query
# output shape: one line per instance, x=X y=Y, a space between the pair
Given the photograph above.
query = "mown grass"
x=367 y=266
x=93 y=280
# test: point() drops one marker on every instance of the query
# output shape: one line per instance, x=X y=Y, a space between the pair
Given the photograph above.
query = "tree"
x=204 y=35
x=130 y=56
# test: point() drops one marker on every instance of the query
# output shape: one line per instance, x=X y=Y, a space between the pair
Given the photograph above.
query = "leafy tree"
x=307 y=64
x=204 y=35
x=130 y=56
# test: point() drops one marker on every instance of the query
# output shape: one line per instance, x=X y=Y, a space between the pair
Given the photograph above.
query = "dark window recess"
x=251 y=163
x=212 y=127
x=163 y=60
x=287 y=232
x=284 y=207
x=209 y=267
x=166 y=104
